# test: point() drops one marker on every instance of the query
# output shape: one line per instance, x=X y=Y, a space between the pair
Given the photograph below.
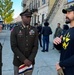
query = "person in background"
x=64 y=30
x=0 y=27
x=66 y=45
x=24 y=43
x=36 y=25
x=39 y=28
x=58 y=32
x=39 y=32
x=46 y=31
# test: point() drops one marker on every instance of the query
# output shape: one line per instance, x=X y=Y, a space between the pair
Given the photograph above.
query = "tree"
x=9 y=19
x=6 y=10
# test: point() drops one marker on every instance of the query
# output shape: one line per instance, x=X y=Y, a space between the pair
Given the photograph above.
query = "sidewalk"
x=7 y=55
x=45 y=61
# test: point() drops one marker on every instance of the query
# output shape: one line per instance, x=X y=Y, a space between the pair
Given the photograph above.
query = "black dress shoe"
x=40 y=45
x=53 y=48
x=46 y=50
x=43 y=50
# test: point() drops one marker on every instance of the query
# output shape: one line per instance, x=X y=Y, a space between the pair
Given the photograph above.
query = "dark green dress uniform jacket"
x=24 y=44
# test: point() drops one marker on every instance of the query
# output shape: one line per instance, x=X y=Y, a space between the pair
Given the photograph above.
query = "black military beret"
x=27 y=12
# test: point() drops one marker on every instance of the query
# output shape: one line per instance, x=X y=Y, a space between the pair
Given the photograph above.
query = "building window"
x=34 y=19
x=30 y=6
x=42 y=17
x=38 y=18
x=35 y=4
x=38 y=3
x=43 y=2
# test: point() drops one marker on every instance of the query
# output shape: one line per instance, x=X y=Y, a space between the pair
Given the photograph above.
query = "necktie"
x=26 y=30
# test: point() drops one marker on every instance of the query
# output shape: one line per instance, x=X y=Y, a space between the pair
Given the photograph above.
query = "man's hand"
x=59 y=69
x=27 y=62
x=57 y=66
x=57 y=41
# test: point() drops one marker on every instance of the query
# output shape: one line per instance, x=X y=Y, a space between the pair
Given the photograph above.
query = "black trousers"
x=39 y=37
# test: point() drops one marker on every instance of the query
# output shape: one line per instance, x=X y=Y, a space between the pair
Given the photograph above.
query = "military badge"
x=31 y=32
x=20 y=33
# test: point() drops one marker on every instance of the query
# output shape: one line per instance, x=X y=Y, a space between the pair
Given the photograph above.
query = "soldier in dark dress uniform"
x=24 y=43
